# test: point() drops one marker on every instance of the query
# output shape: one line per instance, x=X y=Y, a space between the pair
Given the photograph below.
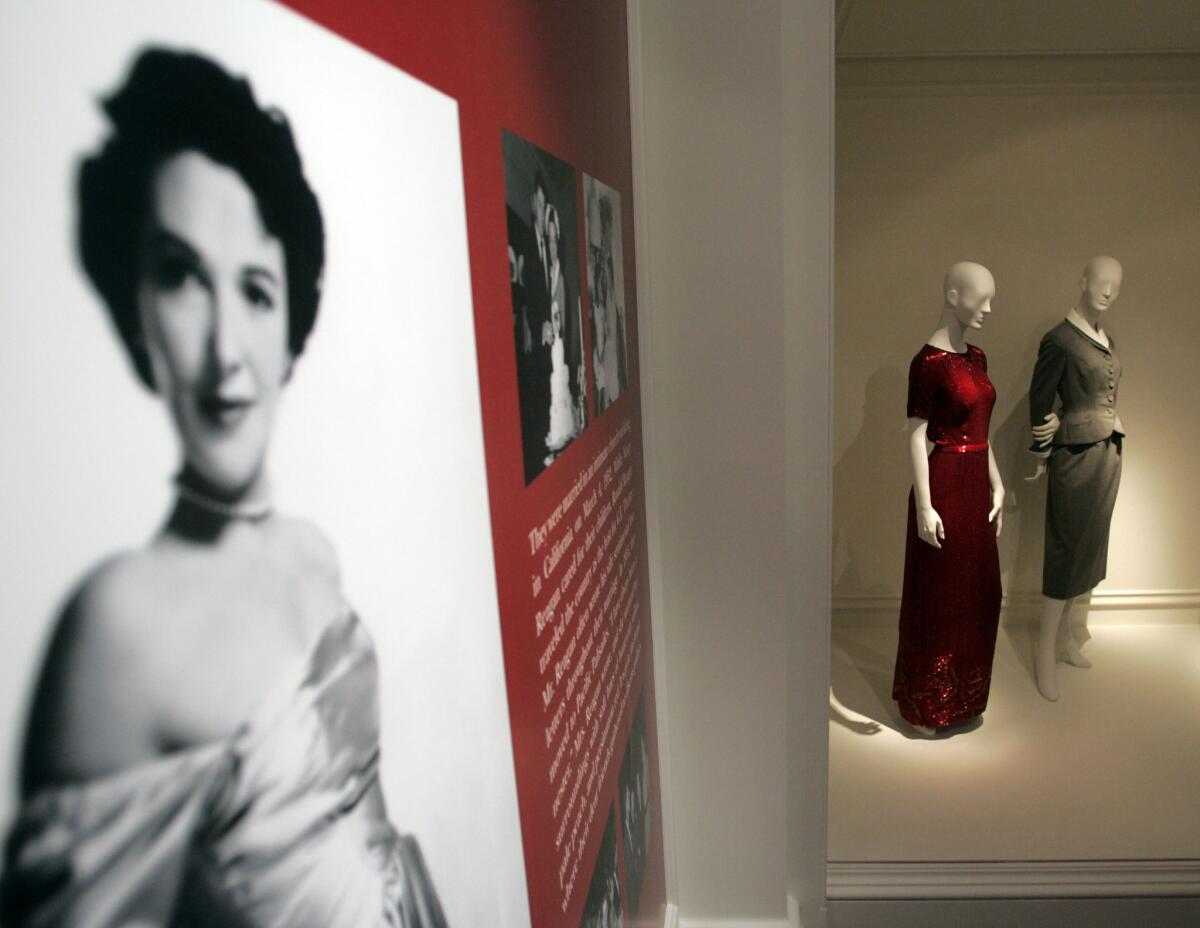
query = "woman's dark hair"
x=174 y=102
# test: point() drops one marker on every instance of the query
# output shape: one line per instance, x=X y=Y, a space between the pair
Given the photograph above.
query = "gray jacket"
x=1084 y=375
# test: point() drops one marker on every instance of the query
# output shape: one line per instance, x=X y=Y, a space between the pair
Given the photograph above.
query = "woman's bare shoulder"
x=309 y=545
x=91 y=712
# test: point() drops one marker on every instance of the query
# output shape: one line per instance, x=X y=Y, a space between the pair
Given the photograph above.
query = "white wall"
x=1030 y=164
x=733 y=156
x=807 y=41
x=710 y=298
x=733 y=126
x=963 y=162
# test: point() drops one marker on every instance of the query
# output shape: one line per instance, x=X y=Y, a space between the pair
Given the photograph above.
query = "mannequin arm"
x=997 y=485
x=1043 y=435
x=929 y=523
x=1043 y=390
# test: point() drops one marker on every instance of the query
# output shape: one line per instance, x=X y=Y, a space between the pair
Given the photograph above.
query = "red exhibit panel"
x=543 y=96
x=333 y=607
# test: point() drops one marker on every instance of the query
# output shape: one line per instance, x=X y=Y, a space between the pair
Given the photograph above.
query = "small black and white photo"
x=634 y=792
x=252 y=670
x=543 y=267
x=606 y=292
x=602 y=909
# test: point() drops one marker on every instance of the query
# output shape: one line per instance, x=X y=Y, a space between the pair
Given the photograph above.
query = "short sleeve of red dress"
x=921 y=385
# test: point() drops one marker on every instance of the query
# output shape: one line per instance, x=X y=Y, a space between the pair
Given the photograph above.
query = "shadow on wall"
x=924 y=179
x=876 y=466
x=869 y=553
x=1021 y=541
x=876 y=469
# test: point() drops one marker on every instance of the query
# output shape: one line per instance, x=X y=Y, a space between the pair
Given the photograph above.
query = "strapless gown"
x=274 y=827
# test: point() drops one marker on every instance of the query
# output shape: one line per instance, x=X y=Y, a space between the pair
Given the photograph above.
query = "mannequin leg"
x=1053 y=611
x=1066 y=648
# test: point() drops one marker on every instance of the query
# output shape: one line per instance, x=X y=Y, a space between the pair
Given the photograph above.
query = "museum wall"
x=710 y=280
x=403 y=439
x=1030 y=181
x=807 y=32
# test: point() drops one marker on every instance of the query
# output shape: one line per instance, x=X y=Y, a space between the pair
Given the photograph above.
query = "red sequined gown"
x=951 y=603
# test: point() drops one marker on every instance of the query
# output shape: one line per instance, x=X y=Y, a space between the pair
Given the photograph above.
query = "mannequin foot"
x=1047 y=679
x=925 y=731
x=1069 y=653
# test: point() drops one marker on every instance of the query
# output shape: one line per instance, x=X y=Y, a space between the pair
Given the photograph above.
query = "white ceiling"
x=965 y=27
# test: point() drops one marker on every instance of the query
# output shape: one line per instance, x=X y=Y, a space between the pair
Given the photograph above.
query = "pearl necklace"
x=250 y=511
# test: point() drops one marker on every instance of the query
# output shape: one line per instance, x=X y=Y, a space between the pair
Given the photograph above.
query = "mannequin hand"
x=929 y=527
x=1045 y=432
x=1041 y=469
x=997 y=513
x=547 y=334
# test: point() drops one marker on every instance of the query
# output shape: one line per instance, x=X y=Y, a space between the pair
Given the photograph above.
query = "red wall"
x=555 y=73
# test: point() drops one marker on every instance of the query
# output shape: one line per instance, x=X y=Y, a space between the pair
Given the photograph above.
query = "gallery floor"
x=1106 y=773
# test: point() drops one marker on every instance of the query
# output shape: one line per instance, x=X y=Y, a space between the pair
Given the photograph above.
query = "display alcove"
x=999 y=134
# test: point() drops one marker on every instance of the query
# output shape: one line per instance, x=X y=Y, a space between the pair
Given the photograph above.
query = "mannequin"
x=1082 y=453
x=951 y=603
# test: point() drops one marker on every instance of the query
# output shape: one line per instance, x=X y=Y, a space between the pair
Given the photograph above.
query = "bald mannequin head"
x=964 y=275
x=1100 y=284
x=967 y=292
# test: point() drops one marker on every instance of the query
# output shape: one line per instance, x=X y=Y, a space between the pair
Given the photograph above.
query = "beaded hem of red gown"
x=950 y=607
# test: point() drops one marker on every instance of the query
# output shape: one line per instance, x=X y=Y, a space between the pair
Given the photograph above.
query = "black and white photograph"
x=606 y=291
x=251 y=668
x=634 y=790
x=543 y=267
x=603 y=906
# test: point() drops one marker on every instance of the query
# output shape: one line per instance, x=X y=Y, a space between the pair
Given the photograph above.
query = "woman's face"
x=212 y=295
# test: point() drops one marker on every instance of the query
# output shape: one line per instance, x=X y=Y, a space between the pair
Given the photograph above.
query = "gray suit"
x=1085 y=455
x=1084 y=374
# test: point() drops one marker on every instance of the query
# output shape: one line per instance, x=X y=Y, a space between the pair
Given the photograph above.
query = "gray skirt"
x=1079 y=508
